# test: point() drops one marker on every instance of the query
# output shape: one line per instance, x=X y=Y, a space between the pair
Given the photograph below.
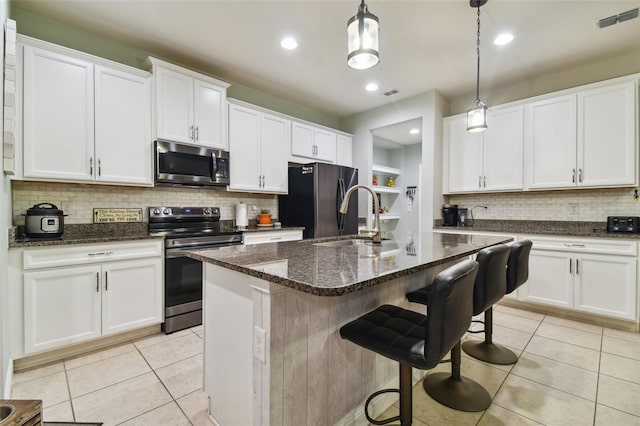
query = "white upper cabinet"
x=258 y=143
x=551 y=142
x=583 y=139
x=487 y=161
x=123 y=127
x=58 y=116
x=312 y=142
x=344 y=150
x=189 y=107
x=606 y=136
x=84 y=121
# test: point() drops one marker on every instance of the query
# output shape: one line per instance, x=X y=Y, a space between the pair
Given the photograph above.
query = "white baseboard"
x=8 y=380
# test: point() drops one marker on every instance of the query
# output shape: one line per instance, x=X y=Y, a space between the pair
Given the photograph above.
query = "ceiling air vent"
x=391 y=92
x=621 y=17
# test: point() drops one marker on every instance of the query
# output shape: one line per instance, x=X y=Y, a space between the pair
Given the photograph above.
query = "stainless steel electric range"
x=186 y=229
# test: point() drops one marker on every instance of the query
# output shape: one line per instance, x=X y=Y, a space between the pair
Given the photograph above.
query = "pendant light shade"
x=477 y=114
x=477 y=117
x=362 y=39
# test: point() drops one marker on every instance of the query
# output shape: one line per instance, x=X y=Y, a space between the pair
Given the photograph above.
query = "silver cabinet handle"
x=577 y=266
x=197 y=134
x=99 y=167
x=484 y=181
x=573 y=175
x=101 y=253
x=580 y=175
x=570 y=268
x=91 y=166
x=276 y=238
x=97 y=282
x=574 y=245
x=191 y=133
x=479 y=182
x=106 y=280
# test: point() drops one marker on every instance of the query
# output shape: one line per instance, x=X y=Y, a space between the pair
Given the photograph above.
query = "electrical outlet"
x=574 y=208
x=259 y=343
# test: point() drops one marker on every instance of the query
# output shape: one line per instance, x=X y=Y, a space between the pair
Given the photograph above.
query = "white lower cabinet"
x=595 y=276
x=89 y=293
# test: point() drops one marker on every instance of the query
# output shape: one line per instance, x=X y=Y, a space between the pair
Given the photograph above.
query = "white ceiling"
x=424 y=44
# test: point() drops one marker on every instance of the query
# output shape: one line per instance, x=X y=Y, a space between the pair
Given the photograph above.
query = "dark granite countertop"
x=84 y=233
x=338 y=270
x=541 y=227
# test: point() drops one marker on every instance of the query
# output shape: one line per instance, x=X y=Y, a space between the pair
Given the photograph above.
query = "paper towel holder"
x=242 y=221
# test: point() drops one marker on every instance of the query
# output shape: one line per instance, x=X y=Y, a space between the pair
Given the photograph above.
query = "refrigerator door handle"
x=339 y=216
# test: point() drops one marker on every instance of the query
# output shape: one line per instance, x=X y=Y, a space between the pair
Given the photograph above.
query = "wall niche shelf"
x=385 y=170
x=385 y=189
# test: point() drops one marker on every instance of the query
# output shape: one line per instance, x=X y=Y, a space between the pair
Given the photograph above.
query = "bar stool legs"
x=455 y=391
x=406 y=398
x=488 y=351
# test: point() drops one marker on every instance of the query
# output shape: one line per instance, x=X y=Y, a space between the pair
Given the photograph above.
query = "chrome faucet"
x=376 y=205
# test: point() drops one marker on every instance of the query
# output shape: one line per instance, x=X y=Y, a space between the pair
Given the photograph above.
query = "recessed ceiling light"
x=414 y=131
x=289 y=43
x=371 y=87
x=503 y=39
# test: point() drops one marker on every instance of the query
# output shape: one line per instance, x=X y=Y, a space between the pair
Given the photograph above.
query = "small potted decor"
x=264 y=217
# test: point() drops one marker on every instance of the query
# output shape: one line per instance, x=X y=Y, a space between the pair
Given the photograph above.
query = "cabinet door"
x=325 y=142
x=275 y=135
x=58 y=116
x=302 y=143
x=606 y=285
x=344 y=151
x=61 y=307
x=550 y=279
x=174 y=106
x=244 y=148
x=503 y=150
x=550 y=141
x=123 y=127
x=132 y=294
x=606 y=136
x=210 y=115
x=463 y=157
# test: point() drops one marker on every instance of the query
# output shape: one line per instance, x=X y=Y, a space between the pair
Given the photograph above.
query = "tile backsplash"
x=568 y=205
x=78 y=200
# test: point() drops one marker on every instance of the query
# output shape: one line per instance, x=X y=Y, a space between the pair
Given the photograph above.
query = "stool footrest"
x=366 y=408
x=489 y=352
x=461 y=394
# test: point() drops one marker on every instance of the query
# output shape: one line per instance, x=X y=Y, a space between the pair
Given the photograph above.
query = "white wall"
x=5 y=223
x=430 y=107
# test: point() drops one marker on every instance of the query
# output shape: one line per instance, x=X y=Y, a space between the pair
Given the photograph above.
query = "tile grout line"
x=595 y=408
x=66 y=378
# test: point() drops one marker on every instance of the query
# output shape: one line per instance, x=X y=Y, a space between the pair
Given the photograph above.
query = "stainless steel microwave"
x=180 y=164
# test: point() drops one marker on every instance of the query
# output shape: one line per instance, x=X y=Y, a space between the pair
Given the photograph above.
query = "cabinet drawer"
x=84 y=254
x=580 y=245
x=271 y=237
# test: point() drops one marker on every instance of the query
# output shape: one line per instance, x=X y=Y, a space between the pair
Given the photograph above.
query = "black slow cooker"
x=44 y=221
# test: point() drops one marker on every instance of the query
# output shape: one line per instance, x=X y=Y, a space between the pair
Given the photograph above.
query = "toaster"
x=626 y=224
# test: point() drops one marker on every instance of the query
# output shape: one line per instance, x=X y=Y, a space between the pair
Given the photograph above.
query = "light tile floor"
x=153 y=381
x=569 y=373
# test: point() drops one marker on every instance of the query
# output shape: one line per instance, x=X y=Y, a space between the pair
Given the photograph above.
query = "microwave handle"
x=214 y=168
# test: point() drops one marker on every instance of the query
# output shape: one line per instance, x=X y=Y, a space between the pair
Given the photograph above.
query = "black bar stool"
x=517 y=274
x=416 y=340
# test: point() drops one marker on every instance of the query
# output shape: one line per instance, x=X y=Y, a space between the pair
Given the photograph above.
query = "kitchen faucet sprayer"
x=376 y=238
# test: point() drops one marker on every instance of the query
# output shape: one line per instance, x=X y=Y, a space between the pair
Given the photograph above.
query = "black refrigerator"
x=316 y=191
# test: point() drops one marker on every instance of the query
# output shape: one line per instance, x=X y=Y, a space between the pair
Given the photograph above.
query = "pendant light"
x=477 y=114
x=362 y=39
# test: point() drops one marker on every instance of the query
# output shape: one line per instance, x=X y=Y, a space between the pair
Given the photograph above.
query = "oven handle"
x=174 y=253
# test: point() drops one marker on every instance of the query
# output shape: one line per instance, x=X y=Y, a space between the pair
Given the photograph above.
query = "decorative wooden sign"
x=117 y=215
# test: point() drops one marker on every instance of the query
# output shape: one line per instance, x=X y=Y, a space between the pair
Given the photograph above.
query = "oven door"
x=182 y=283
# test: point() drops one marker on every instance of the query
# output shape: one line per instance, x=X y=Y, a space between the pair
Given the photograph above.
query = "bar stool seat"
x=416 y=340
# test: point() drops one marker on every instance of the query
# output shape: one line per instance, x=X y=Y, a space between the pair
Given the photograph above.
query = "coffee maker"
x=450 y=215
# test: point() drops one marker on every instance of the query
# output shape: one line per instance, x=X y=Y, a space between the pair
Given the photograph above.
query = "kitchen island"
x=273 y=353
